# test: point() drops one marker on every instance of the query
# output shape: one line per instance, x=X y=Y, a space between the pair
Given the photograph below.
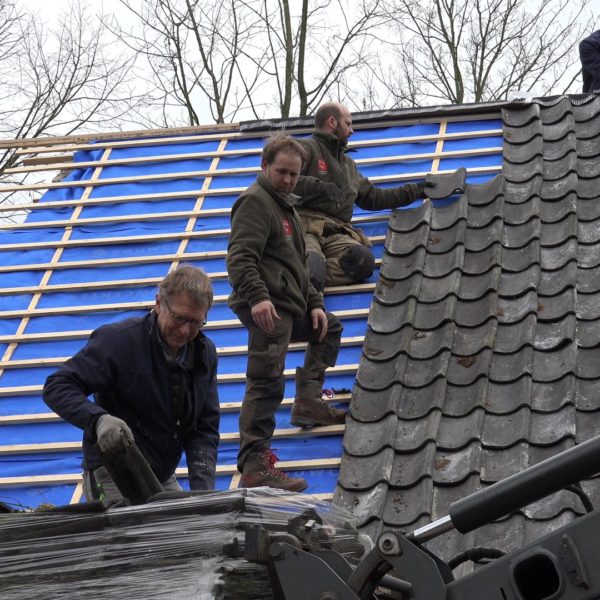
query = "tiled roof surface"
x=482 y=352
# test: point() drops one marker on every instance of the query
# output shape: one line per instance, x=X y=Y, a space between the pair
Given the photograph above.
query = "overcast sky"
x=49 y=10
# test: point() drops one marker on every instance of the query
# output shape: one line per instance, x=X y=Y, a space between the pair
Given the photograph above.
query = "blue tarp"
x=127 y=220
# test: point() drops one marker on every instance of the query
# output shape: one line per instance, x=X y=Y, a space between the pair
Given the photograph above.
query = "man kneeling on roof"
x=154 y=381
x=274 y=299
x=329 y=186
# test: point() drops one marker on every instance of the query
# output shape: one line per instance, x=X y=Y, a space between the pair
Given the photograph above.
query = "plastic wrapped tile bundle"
x=188 y=548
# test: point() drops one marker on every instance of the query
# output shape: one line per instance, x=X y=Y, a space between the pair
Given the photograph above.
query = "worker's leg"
x=265 y=386
x=171 y=484
x=315 y=260
x=265 y=383
x=99 y=485
x=348 y=261
x=309 y=409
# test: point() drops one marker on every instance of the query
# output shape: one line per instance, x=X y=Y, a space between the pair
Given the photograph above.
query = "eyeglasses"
x=180 y=320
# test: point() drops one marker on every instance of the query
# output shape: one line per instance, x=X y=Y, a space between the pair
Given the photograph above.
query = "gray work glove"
x=426 y=188
x=114 y=435
x=332 y=192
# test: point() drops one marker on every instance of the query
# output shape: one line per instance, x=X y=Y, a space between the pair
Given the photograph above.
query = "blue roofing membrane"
x=71 y=267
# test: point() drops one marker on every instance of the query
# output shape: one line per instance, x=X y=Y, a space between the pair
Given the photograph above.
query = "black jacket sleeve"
x=202 y=444
x=92 y=369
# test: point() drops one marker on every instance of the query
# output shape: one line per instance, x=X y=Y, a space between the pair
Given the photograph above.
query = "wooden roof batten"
x=33 y=156
x=54 y=165
x=136 y=138
x=238 y=171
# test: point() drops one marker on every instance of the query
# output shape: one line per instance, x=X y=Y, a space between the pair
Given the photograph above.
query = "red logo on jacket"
x=287 y=228
x=322 y=166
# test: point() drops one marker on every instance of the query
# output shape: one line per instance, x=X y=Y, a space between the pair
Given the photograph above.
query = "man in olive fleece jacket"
x=273 y=298
x=329 y=186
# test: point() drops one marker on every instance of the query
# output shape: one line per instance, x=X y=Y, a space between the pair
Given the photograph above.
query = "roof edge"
x=416 y=112
x=119 y=135
x=424 y=112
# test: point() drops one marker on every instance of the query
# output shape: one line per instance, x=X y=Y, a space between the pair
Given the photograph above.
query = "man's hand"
x=264 y=314
x=319 y=322
x=114 y=435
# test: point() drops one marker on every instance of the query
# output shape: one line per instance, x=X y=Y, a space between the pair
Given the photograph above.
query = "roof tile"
x=508 y=396
x=461 y=400
x=470 y=340
x=501 y=366
x=404 y=506
x=473 y=313
x=511 y=336
x=464 y=370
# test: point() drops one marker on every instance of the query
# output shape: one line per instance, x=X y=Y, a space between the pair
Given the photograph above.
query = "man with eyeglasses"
x=154 y=381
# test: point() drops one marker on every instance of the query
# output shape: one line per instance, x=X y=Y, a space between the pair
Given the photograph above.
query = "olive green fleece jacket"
x=266 y=253
x=328 y=162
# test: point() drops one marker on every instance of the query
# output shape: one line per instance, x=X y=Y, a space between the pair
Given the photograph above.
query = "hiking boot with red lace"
x=260 y=470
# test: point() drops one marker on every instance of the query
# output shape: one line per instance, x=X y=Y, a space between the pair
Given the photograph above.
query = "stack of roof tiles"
x=482 y=354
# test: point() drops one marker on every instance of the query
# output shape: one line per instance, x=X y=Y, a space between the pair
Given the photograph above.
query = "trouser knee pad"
x=358 y=262
x=317 y=270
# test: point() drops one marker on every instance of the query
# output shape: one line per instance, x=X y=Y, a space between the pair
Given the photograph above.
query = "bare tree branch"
x=479 y=50
x=57 y=82
x=252 y=55
x=193 y=49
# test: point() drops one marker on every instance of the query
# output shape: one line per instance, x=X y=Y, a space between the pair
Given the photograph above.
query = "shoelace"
x=272 y=459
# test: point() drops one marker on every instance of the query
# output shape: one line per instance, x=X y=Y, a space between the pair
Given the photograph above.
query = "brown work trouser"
x=331 y=247
x=265 y=382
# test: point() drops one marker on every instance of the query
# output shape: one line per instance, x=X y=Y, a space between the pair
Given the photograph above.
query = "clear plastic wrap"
x=188 y=548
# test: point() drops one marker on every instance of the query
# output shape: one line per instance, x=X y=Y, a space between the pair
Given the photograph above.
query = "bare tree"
x=311 y=51
x=480 y=50
x=193 y=49
x=385 y=84
x=56 y=83
x=248 y=56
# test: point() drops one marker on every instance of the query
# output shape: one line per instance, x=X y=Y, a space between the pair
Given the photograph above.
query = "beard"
x=340 y=135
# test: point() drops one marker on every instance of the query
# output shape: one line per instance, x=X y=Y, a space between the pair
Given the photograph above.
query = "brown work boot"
x=260 y=470
x=312 y=412
x=309 y=409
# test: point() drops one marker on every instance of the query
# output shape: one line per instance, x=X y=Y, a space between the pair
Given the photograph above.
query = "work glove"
x=424 y=189
x=333 y=193
x=114 y=435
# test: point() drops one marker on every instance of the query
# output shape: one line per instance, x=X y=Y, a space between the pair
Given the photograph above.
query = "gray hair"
x=190 y=280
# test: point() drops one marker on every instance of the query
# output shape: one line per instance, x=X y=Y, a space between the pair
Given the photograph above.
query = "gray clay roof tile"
x=461 y=400
x=481 y=355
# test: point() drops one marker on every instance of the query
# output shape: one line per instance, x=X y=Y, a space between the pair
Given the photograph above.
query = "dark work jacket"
x=266 y=253
x=329 y=162
x=125 y=368
x=589 y=53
